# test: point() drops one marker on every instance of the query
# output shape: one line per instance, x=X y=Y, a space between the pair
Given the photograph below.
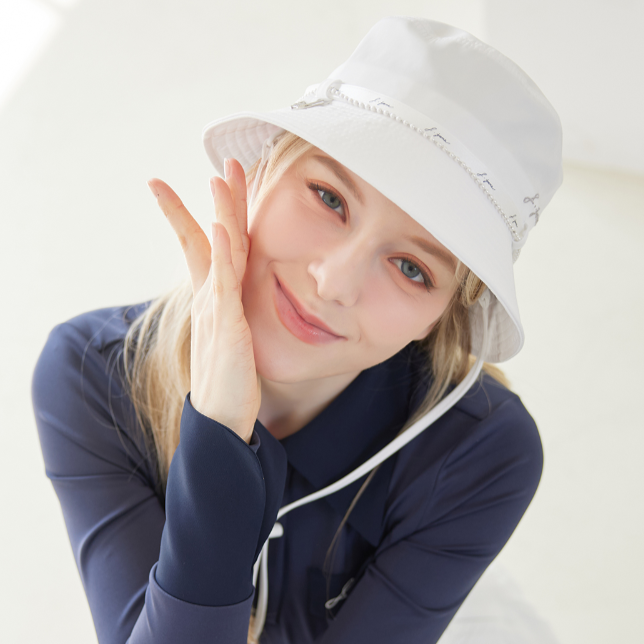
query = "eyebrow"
x=341 y=174
x=440 y=254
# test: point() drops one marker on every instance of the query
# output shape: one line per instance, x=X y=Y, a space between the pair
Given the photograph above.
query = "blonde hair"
x=156 y=349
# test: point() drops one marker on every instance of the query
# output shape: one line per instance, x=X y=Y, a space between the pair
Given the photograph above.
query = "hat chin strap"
x=261 y=565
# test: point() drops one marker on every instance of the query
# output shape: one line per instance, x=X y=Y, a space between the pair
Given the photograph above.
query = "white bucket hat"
x=452 y=132
x=446 y=127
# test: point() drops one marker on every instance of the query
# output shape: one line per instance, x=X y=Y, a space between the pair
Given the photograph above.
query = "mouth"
x=302 y=324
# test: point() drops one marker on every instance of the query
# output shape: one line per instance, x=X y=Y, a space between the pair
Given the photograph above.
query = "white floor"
x=80 y=134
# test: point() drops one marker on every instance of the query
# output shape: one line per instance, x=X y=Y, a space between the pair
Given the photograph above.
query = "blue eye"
x=327 y=197
x=334 y=199
x=413 y=272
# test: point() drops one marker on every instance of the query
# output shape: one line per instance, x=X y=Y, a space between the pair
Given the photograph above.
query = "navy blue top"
x=179 y=569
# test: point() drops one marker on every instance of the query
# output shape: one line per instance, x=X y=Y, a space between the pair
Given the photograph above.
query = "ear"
x=423 y=334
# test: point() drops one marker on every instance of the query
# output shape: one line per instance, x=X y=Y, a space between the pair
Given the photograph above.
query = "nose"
x=341 y=271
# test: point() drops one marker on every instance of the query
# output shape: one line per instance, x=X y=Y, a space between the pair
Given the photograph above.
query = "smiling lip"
x=303 y=325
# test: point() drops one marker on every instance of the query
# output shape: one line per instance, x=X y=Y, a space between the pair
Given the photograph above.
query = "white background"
x=96 y=97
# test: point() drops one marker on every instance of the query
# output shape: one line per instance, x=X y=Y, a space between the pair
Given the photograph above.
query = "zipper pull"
x=343 y=595
x=320 y=94
x=300 y=105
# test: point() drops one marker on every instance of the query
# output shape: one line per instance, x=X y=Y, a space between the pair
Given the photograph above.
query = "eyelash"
x=316 y=187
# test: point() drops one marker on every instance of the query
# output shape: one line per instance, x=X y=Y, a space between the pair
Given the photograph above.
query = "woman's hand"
x=223 y=380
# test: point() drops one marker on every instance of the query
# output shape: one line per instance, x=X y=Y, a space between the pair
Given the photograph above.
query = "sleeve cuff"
x=167 y=620
x=255 y=441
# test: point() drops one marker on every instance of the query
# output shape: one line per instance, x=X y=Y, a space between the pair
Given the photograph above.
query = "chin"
x=276 y=365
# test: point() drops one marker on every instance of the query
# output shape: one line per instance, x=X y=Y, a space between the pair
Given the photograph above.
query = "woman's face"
x=344 y=252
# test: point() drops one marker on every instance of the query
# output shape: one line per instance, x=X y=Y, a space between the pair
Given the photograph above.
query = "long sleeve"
x=216 y=514
x=202 y=545
x=423 y=570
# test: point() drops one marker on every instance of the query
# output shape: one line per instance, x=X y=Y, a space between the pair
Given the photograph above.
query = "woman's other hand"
x=223 y=379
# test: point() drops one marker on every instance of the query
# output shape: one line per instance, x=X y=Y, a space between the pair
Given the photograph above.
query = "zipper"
x=343 y=595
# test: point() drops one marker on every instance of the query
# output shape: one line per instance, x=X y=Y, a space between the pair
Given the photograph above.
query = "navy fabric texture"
x=177 y=567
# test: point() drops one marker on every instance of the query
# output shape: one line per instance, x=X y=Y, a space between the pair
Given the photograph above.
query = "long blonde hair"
x=156 y=349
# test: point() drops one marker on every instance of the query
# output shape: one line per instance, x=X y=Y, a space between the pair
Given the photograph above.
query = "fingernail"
x=153 y=190
x=226 y=168
x=212 y=187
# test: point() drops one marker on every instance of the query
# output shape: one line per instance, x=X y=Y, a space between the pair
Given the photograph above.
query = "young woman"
x=316 y=385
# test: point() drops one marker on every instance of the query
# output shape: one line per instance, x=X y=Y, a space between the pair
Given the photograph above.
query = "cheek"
x=287 y=230
x=392 y=319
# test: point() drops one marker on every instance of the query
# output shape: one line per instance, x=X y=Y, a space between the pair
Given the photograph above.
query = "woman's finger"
x=236 y=179
x=227 y=307
x=227 y=216
x=193 y=240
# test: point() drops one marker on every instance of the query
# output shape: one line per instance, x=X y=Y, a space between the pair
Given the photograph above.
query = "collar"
x=359 y=422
